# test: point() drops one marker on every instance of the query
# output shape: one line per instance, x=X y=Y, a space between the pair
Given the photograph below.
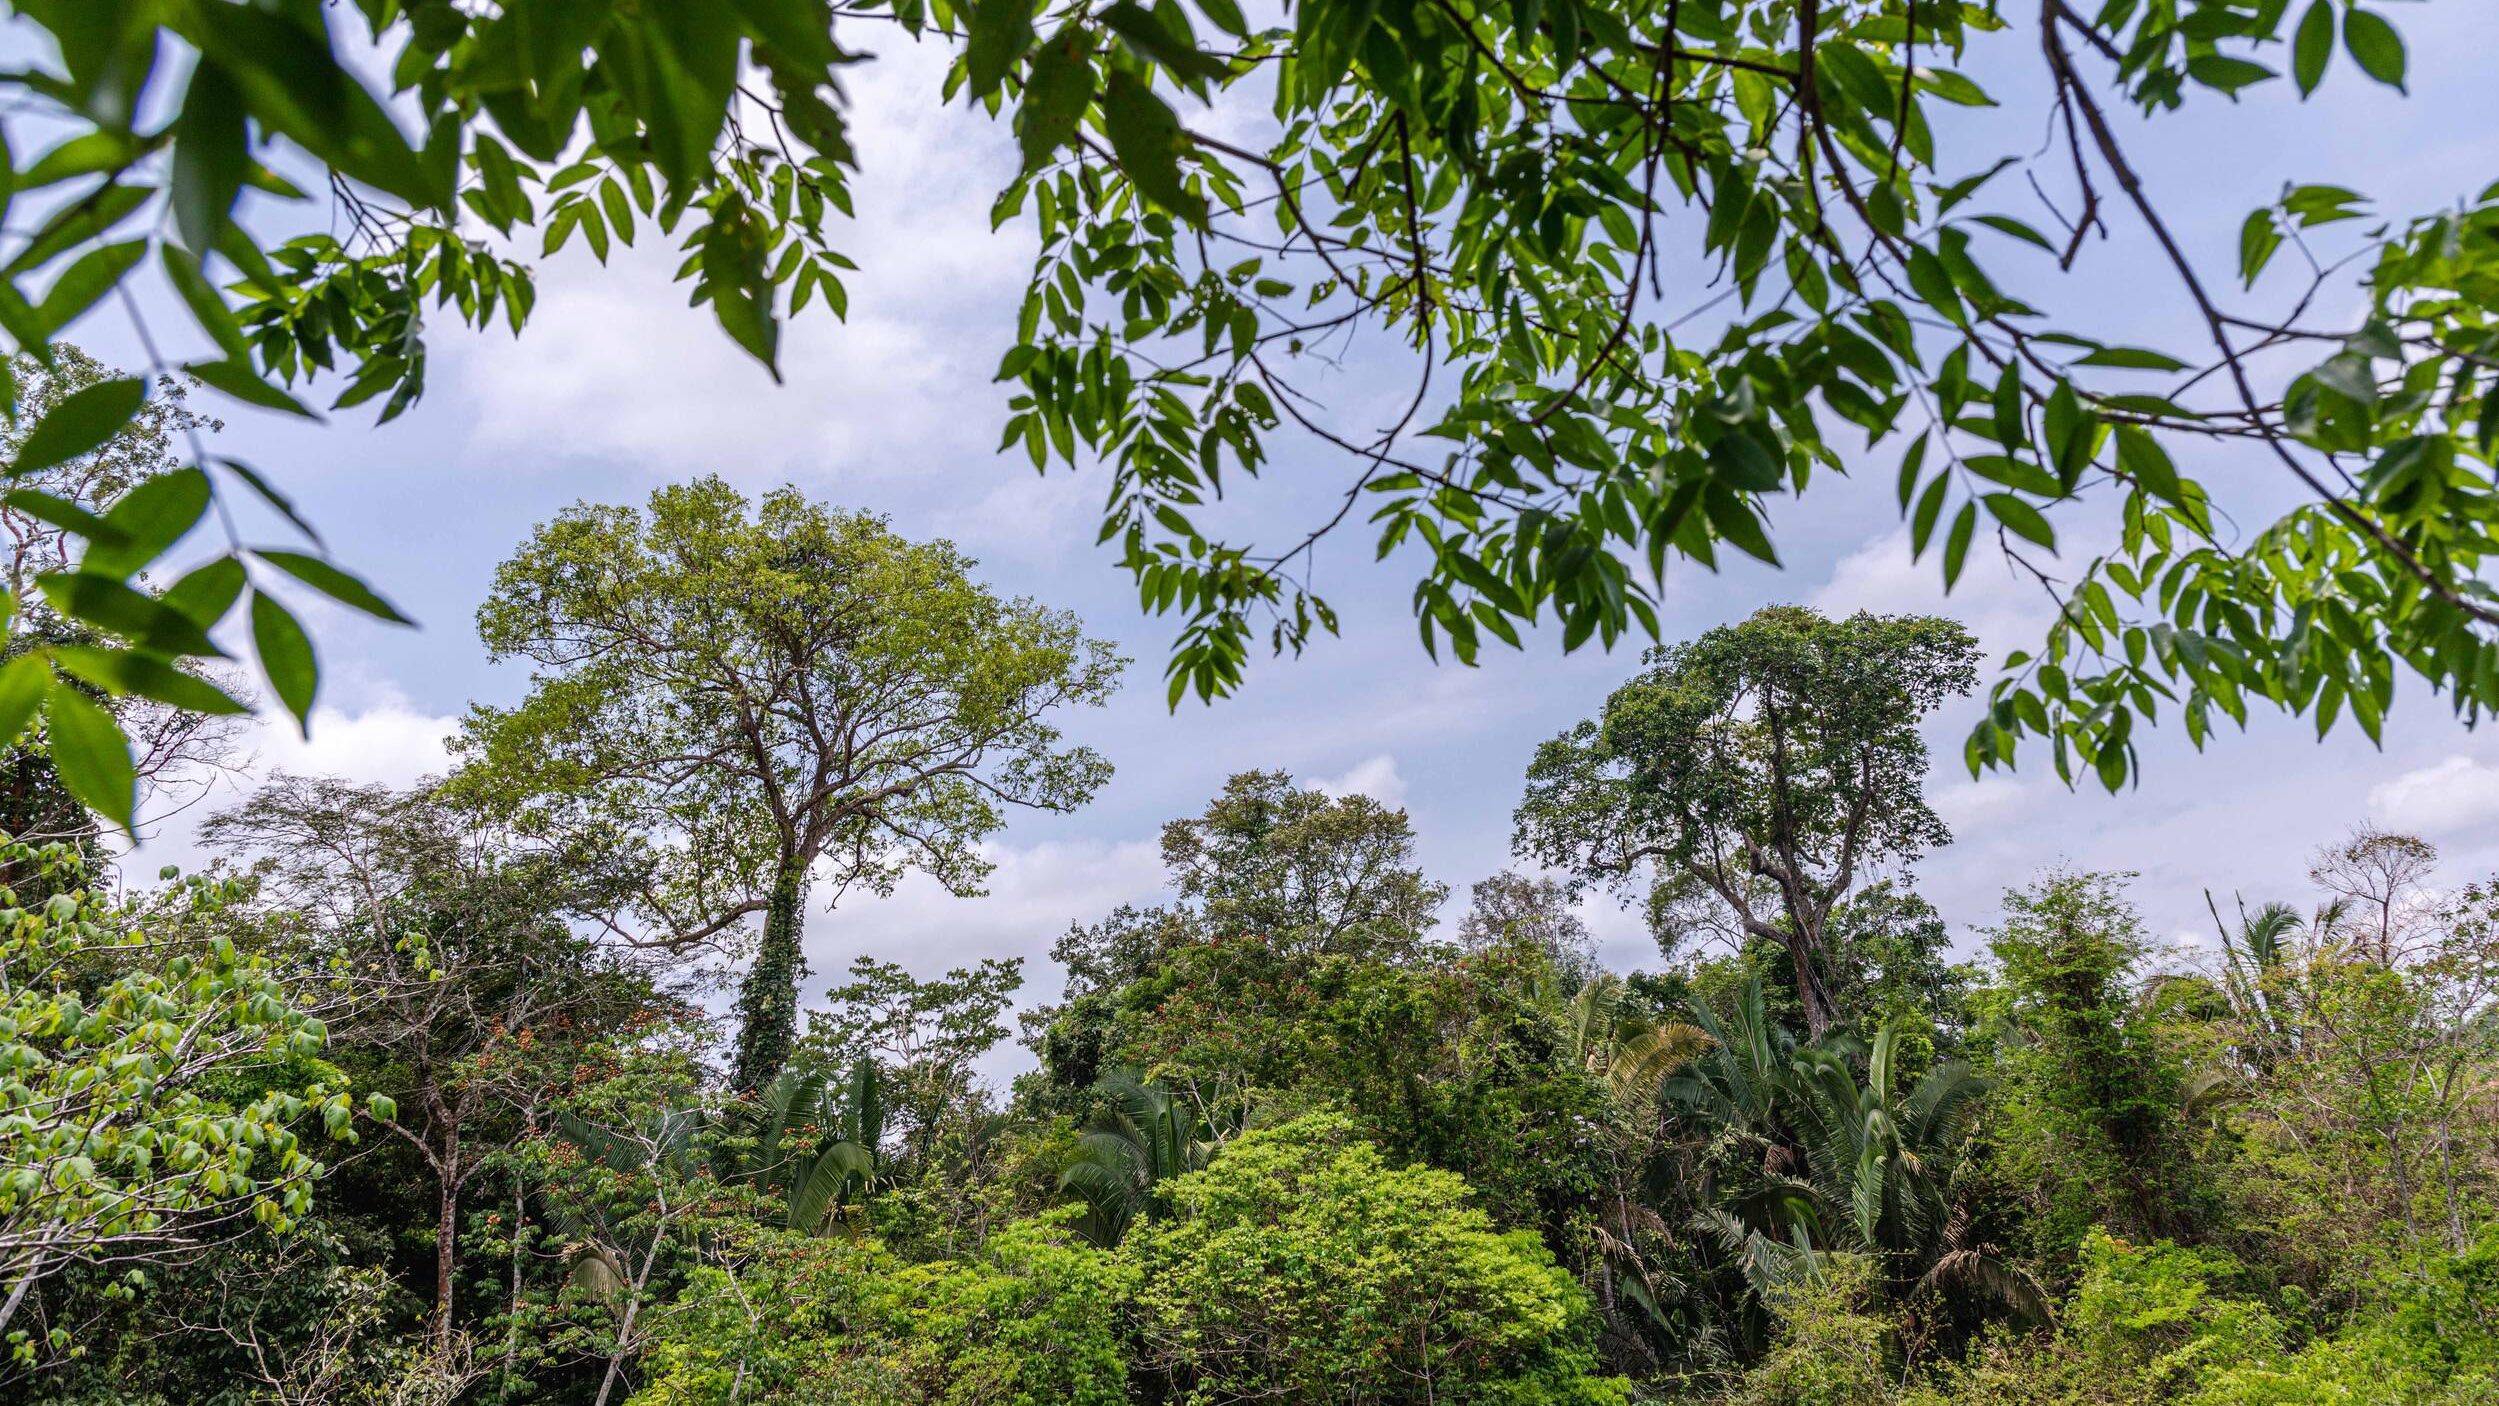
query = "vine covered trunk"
x=768 y=1000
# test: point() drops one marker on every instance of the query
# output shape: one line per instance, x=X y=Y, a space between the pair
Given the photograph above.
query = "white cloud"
x=616 y=364
x=390 y=743
x=1375 y=777
x=1990 y=798
x=2440 y=799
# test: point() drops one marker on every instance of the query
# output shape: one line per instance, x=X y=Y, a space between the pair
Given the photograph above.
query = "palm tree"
x=1142 y=1136
x=1877 y=1161
x=815 y=1180
x=1800 y=1159
x=2256 y=961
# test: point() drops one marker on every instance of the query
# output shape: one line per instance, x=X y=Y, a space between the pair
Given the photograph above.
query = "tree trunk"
x=1804 y=950
x=446 y=1242
x=768 y=1001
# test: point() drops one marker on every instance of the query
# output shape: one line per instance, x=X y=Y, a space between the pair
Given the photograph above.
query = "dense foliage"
x=505 y=1087
x=1649 y=268
x=1284 y=1137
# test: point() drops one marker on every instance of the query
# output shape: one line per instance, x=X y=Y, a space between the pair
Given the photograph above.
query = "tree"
x=921 y=1037
x=1311 y=872
x=440 y=942
x=1511 y=907
x=124 y=1032
x=1140 y=1139
x=1515 y=230
x=2088 y=1120
x=757 y=693
x=2376 y=878
x=1782 y=752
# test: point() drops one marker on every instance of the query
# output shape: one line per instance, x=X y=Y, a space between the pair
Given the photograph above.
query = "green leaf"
x=77 y=222
x=207 y=593
x=2022 y=518
x=110 y=603
x=147 y=521
x=91 y=754
x=1227 y=17
x=2225 y=74
x=1957 y=543
x=294 y=85
x=79 y=424
x=1055 y=95
x=125 y=673
x=332 y=582
x=1001 y=30
x=2375 y=46
x=286 y=657
x=1742 y=461
x=271 y=496
x=1932 y=282
x=84 y=282
x=1733 y=519
x=1168 y=44
x=237 y=378
x=796 y=30
x=212 y=156
x=2312 y=46
x=2258 y=238
x=2006 y=224
x=1145 y=136
x=22 y=682
x=2132 y=359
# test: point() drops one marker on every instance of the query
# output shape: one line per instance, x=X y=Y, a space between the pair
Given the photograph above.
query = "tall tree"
x=1770 y=762
x=1308 y=871
x=754 y=693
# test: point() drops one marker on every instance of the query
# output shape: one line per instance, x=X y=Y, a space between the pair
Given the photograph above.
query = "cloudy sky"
x=618 y=387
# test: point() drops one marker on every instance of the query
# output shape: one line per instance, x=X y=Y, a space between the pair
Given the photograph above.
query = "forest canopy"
x=534 y=1079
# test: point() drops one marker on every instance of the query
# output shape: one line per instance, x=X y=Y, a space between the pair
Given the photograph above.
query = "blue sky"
x=617 y=387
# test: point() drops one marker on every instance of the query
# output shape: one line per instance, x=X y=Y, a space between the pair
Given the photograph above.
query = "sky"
x=618 y=387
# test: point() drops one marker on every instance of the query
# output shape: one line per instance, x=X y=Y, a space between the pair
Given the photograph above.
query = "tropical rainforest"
x=524 y=1082
x=512 y=1085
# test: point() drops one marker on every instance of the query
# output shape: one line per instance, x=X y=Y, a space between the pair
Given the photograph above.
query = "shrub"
x=1300 y=1267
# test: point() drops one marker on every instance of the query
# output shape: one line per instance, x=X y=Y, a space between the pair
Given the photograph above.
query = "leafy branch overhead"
x=1650 y=268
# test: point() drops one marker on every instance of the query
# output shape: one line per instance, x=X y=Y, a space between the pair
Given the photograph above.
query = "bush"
x=1830 y=1351
x=1300 y=1267
x=1032 y=1321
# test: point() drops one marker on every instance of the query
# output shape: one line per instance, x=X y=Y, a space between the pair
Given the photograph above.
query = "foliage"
x=2088 y=1132
x=918 y=1038
x=1032 y=1320
x=1300 y=1264
x=1767 y=762
x=1313 y=874
x=1516 y=229
x=1830 y=1351
x=117 y=1147
x=746 y=692
x=1142 y=1138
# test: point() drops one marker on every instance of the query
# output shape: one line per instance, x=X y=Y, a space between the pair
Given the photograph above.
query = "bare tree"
x=2378 y=876
x=442 y=939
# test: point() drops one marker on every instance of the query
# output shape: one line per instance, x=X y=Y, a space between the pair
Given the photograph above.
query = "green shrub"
x=1300 y=1267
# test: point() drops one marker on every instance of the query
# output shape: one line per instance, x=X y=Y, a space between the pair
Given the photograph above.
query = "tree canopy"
x=1500 y=191
x=1770 y=764
x=741 y=694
